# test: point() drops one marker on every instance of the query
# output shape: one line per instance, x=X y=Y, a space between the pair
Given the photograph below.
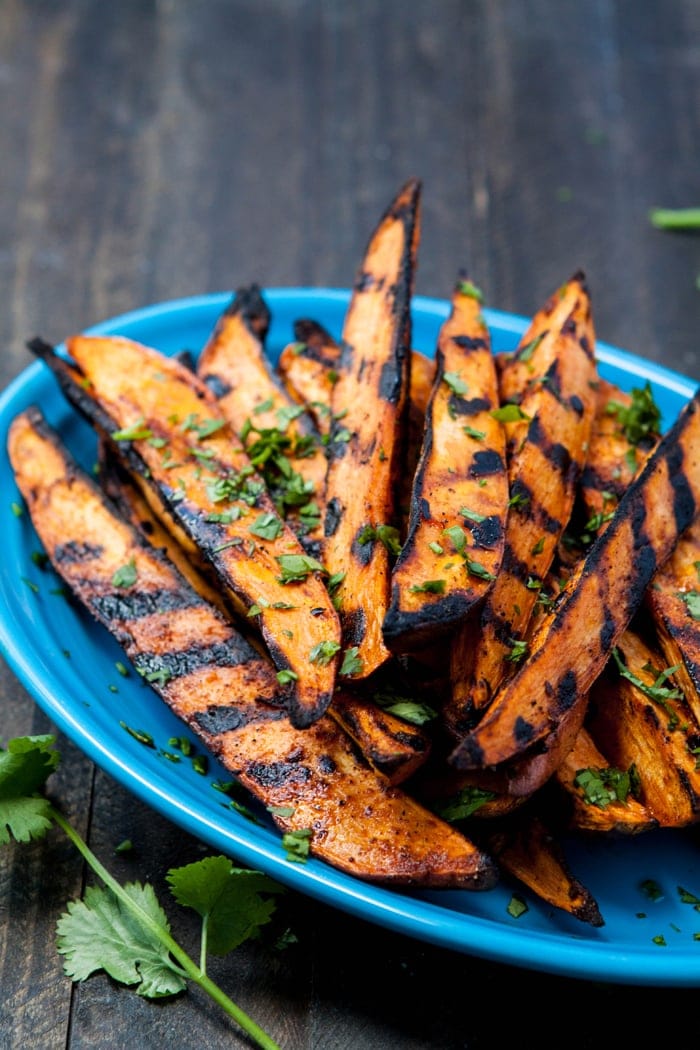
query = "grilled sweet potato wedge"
x=575 y=640
x=309 y=370
x=225 y=691
x=537 y=348
x=389 y=744
x=603 y=809
x=547 y=444
x=643 y=721
x=279 y=436
x=526 y=848
x=198 y=478
x=624 y=432
x=674 y=601
x=460 y=492
x=369 y=404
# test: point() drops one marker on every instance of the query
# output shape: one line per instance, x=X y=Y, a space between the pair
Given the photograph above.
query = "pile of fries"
x=432 y=612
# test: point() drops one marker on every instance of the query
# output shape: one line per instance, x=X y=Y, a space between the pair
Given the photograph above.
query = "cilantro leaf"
x=100 y=933
x=455 y=382
x=24 y=768
x=228 y=898
x=641 y=418
x=692 y=603
x=297 y=567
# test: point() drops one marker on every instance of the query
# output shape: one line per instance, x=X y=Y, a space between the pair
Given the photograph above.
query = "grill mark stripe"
x=135 y=605
x=231 y=653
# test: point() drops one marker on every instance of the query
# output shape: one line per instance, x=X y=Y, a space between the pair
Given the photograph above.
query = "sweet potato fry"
x=547 y=443
x=575 y=640
x=674 y=601
x=278 y=434
x=643 y=721
x=454 y=547
x=389 y=744
x=527 y=849
x=310 y=780
x=537 y=347
x=605 y=812
x=369 y=407
x=309 y=370
x=168 y=425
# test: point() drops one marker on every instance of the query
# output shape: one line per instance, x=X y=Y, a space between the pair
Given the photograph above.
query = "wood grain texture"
x=153 y=150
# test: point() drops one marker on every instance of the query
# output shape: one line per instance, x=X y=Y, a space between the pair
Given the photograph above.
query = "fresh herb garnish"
x=659 y=691
x=509 y=414
x=528 y=350
x=465 y=287
x=323 y=652
x=464 y=804
x=600 y=787
x=386 y=534
x=267 y=526
x=429 y=587
x=297 y=567
x=471 y=515
x=692 y=603
x=456 y=384
x=126 y=575
x=475 y=568
x=352 y=663
x=138 y=431
x=641 y=418
x=123 y=930
x=297 y=844
x=471 y=432
x=404 y=707
x=456 y=536
x=286 y=676
x=675 y=218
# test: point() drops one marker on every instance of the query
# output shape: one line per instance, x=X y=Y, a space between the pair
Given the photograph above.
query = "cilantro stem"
x=189 y=967
x=675 y=218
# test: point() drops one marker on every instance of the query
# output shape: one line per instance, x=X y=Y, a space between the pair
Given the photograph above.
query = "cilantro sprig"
x=123 y=930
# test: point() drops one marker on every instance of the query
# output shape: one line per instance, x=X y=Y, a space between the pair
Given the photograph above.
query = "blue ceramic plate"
x=67 y=662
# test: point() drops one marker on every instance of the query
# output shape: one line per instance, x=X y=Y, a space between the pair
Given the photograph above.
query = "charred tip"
x=302 y=715
x=579 y=277
x=468 y=754
x=40 y=348
x=248 y=303
x=306 y=330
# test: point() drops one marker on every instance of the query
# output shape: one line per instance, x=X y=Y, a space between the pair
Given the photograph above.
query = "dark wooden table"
x=151 y=151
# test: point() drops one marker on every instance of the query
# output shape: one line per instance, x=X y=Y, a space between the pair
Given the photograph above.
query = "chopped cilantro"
x=516 y=907
x=471 y=432
x=641 y=418
x=456 y=384
x=528 y=350
x=456 y=536
x=297 y=567
x=297 y=844
x=692 y=603
x=471 y=515
x=323 y=652
x=286 y=676
x=475 y=568
x=429 y=587
x=352 y=663
x=125 y=575
x=509 y=413
x=136 y=432
x=600 y=787
x=267 y=526
x=465 y=287
x=464 y=804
